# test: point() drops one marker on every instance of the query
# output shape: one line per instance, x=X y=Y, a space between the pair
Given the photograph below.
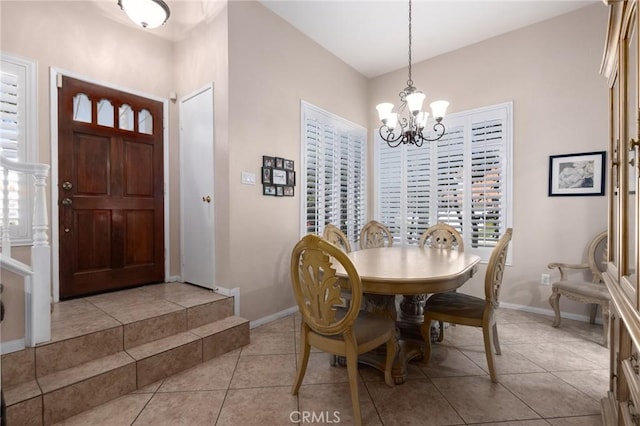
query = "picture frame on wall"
x=268 y=190
x=577 y=174
x=288 y=164
x=279 y=177
x=267 y=161
x=266 y=175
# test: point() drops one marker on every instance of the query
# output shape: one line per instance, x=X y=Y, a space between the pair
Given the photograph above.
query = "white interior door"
x=196 y=188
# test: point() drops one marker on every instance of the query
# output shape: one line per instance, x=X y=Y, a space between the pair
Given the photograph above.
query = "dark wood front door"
x=110 y=189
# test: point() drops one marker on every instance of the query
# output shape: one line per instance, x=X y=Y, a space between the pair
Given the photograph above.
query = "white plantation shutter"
x=17 y=140
x=449 y=177
x=462 y=179
x=390 y=197
x=487 y=182
x=418 y=195
x=334 y=172
x=403 y=189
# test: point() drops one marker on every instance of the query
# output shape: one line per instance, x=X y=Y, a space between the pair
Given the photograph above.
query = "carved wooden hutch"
x=620 y=65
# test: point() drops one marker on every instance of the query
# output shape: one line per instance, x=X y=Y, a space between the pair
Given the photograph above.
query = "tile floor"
x=547 y=376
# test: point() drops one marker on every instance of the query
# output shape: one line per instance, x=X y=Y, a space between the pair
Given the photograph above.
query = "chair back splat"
x=442 y=235
x=374 y=235
x=495 y=270
x=335 y=236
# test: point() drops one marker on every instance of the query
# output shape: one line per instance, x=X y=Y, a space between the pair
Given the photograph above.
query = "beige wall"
x=560 y=105
x=200 y=59
x=262 y=67
x=73 y=37
x=272 y=66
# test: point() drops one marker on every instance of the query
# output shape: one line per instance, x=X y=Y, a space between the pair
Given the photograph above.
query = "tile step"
x=68 y=392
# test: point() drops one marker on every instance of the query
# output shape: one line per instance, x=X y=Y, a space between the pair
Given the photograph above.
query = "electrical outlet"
x=544 y=279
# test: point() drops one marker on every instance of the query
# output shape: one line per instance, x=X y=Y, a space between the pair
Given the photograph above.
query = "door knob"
x=67 y=202
x=67 y=186
x=206 y=199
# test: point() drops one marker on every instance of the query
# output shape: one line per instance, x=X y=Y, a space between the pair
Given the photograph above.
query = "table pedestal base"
x=410 y=342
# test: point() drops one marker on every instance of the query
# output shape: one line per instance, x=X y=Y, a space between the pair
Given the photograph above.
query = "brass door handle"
x=67 y=186
x=67 y=202
x=206 y=199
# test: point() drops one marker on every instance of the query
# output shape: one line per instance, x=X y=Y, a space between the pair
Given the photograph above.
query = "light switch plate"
x=248 y=178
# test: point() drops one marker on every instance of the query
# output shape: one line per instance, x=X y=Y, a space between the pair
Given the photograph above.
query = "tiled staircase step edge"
x=22 y=392
x=63 y=378
x=61 y=355
x=162 y=345
x=219 y=326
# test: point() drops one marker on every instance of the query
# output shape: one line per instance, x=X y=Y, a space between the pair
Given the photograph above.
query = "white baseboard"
x=548 y=312
x=515 y=307
x=174 y=278
x=273 y=317
x=233 y=292
x=12 y=346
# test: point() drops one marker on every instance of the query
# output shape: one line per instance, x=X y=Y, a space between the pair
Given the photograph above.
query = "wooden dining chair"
x=374 y=235
x=446 y=237
x=325 y=324
x=335 y=236
x=463 y=309
x=442 y=235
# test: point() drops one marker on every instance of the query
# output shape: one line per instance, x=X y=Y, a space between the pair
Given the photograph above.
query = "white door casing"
x=196 y=188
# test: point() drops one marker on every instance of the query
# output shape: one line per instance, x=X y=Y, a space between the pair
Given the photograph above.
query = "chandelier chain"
x=410 y=81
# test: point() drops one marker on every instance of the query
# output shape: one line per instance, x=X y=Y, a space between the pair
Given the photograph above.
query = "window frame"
x=27 y=142
x=352 y=131
x=502 y=111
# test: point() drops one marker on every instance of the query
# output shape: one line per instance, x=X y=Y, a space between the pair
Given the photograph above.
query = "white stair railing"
x=37 y=277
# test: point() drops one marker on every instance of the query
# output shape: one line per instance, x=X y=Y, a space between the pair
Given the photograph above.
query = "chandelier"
x=410 y=117
x=146 y=13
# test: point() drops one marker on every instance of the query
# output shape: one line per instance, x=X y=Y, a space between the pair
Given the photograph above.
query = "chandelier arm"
x=439 y=128
x=391 y=137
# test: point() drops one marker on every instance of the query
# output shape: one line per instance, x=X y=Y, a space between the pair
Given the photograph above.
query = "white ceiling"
x=372 y=35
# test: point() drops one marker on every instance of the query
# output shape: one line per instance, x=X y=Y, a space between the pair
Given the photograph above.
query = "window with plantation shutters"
x=333 y=172
x=463 y=179
x=17 y=141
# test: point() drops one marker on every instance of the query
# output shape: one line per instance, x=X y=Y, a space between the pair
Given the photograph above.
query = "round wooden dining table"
x=413 y=273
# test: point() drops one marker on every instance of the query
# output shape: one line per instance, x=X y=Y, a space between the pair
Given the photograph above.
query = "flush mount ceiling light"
x=146 y=13
x=410 y=117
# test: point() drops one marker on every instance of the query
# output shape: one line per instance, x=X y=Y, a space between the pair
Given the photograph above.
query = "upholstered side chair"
x=573 y=285
x=463 y=309
x=441 y=236
x=374 y=235
x=325 y=324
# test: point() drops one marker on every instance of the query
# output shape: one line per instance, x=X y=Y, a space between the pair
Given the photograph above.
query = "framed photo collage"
x=278 y=176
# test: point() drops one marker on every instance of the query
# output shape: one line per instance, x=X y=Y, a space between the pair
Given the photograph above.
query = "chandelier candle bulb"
x=384 y=111
x=439 y=108
x=414 y=102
